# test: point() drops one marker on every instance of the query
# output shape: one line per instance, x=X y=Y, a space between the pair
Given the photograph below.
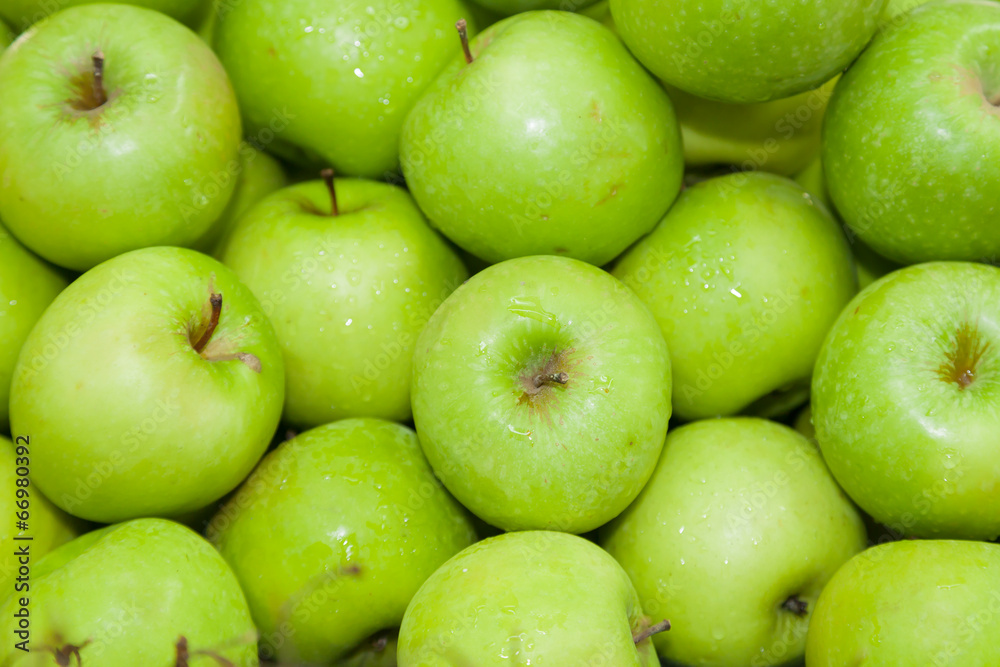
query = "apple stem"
x=62 y=655
x=655 y=629
x=327 y=175
x=216 y=301
x=463 y=34
x=550 y=378
x=184 y=654
x=795 y=605
x=100 y=96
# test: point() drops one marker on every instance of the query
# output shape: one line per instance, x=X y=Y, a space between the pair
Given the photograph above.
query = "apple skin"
x=49 y=526
x=740 y=515
x=565 y=457
x=553 y=141
x=744 y=275
x=348 y=295
x=511 y=7
x=746 y=52
x=904 y=400
x=22 y=14
x=869 y=264
x=78 y=187
x=780 y=136
x=533 y=597
x=911 y=142
x=334 y=533
x=6 y=36
x=345 y=74
x=126 y=419
x=27 y=287
x=911 y=603
x=259 y=175
x=126 y=593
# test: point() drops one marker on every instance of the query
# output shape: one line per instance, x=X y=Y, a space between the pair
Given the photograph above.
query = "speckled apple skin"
x=911 y=141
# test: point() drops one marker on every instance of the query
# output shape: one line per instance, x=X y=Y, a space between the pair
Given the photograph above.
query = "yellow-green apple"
x=344 y=73
x=6 y=36
x=532 y=597
x=744 y=275
x=150 y=386
x=46 y=526
x=27 y=287
x=145 y=592
x=547 y=138
x=733 y=539
x=349 y=281
x=22 y=14
x=911 y=140
x=904 y=400
x=333 y=534
x=746 y=51
x=920 y=602
x=118 y=131
x=541 y=394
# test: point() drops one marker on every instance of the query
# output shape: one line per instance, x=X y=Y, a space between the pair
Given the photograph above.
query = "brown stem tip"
x=654 y=629
x=795 y=605
x=463 y=34
x=551 y=378
x=100 y=95
x=216 y=302
x=327 y=175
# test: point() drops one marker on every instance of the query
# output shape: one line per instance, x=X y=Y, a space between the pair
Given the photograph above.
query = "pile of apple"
x=348 y=333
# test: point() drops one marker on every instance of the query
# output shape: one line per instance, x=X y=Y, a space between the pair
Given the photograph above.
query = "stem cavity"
x=795 y=605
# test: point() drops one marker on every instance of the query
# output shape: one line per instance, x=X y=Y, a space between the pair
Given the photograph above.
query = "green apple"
x=145 y=592
x=6 y=36
x=348 y=293
x=48 y=526
x=869 y=264
x=334 y=533
x=259 y=175
x=541 y=394
x=526 y=598
x=734 y=537
x=911 y=141
x=27 y=287
x=346 y=74
x=552 y=140
x=743 y=51
x=804 y=423
x=24 y=13
x=118 y=130
x=924 y=602
x=905 y=400
x=781 y=136
x=151 y=386
x=511 y=7
x=744 y=275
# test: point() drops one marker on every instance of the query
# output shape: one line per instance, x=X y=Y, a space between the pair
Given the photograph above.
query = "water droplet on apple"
x=354 y=277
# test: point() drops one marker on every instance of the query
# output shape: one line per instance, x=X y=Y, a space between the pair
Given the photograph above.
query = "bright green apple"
x=90 y=170
x=48 y=526
x=911 y=141
x=143 y=592
x=869 y=264
x=923 y=602
x=511 y=7
x=541 y=394
x=344 y=74
x=333 y=534
x=733 y=538
x=744 y=275
x=348 y=293
x=27 y=287
x=804 y=423
x=151 y=386
x=258 y=175
x=527 y=598
x=22 y=14
x=553 y=140
x=780 y=136
x=906 y=402
x=742 y=51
